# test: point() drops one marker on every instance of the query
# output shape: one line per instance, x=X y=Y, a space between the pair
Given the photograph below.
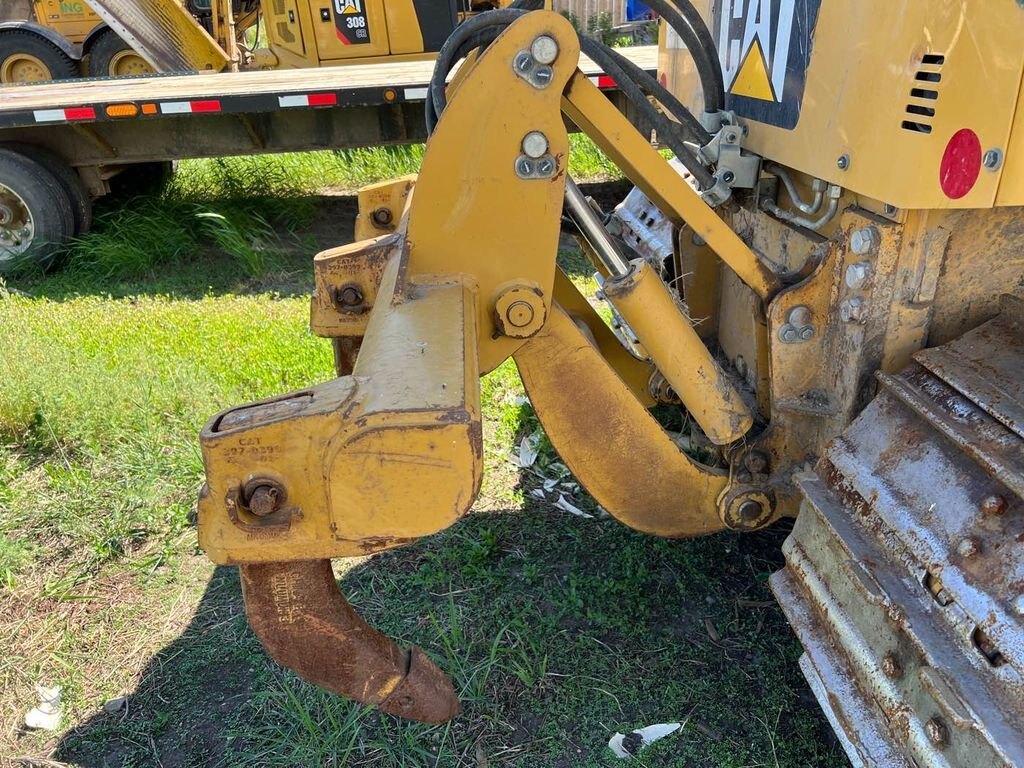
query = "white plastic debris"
x=528 y=451
x=537 y=493
x=566 y=505
x=549 y=485
x=522 y=400
x=46 y=716
x=630 y=744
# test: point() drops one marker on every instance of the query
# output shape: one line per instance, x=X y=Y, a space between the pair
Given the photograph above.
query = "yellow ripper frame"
x=391 y=450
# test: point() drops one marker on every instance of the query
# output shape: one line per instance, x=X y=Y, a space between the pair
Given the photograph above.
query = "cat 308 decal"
x=765 y=47
x=350 y=20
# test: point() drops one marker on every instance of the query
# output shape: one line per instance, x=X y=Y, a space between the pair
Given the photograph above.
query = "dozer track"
x=904 y=574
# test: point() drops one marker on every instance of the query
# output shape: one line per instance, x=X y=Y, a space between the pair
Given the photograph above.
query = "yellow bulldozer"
x=827 y=282
x=113 y=38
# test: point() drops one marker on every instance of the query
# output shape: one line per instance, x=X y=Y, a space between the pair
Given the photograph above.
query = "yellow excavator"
x=827 y=281
x=114 y=38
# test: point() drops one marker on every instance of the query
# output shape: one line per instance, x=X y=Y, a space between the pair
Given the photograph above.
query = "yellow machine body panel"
x=350 y=29
x=73 y=19
x=874 y=101
x=403 y=27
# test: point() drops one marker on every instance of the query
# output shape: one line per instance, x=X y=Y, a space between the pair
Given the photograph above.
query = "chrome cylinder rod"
x=593 y=230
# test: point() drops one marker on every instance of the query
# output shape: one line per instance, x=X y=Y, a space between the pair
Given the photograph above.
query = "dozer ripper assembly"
x=828 y=279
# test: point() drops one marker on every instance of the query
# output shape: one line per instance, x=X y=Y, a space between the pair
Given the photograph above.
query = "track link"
x=904 y=574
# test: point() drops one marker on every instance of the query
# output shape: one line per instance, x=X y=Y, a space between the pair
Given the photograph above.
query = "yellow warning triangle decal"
x=752 y=79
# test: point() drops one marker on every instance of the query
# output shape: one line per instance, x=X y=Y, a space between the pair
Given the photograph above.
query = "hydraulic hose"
x=667 y=130
x=448 y=55
x=635 y=84
x=688 y=24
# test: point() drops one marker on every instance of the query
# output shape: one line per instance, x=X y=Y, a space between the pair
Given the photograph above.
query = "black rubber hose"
x=447 y=56
x=688 y=24
x=672 y=105
x=667 y=130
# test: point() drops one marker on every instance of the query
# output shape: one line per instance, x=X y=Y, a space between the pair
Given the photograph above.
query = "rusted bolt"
x=937 y=732
x=864 y=239
x=756 y=462
x=968 y=547
x=263 y=500
x=891 y=667
x=807 y=333
x=858 y=274
x=348 y=295
x=381 y=217
x=853 y=310
x=994 y=504
x=750 y=511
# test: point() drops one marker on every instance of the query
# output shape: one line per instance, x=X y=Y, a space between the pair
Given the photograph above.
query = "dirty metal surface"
x=904 y=573
x=304 y=622
x=987 y=364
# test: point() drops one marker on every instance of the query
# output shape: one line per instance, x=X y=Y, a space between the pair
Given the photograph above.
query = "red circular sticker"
x=961 y=164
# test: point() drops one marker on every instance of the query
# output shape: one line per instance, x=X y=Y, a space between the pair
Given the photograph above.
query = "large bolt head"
x=858 y=274
x=854 y=310
x=535 y=144
x=864 y=239
x=544 y=49
x=799 y=315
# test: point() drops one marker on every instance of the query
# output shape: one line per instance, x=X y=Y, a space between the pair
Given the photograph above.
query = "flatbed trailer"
x=74 y=136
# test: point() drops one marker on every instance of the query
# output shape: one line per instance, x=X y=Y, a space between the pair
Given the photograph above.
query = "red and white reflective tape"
x=64 y=115
x=308 y=100
x=189 y=107
x=603 y=81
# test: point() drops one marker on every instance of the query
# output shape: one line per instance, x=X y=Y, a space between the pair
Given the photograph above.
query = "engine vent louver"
x=924 y=94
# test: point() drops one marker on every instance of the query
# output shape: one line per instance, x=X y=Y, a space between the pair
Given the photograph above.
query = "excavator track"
x=904 y=574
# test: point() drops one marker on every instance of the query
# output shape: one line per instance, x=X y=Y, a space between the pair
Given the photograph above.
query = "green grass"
x=557 y=630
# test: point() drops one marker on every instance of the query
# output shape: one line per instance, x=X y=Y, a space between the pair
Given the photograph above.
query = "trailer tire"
x=110 y=56
x=26 y=57
x=35 y=211
x=78 y=195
